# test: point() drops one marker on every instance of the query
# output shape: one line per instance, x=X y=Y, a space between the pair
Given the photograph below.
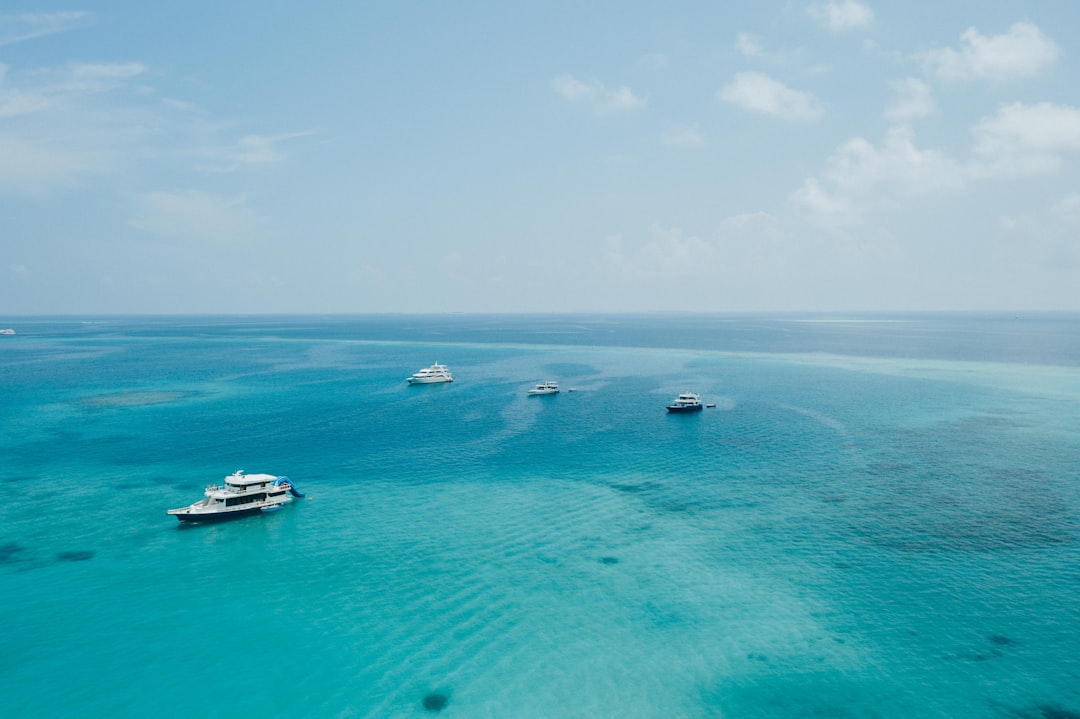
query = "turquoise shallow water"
x=877 y=519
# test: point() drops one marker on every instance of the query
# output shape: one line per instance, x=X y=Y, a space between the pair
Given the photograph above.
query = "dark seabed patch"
x=609 y=560
x=75 y=556
x=1043 y=711
x=804 y=698
x=435 y=702
x=1001 y=640
x=635 y=488
x=1053 y=711
x=133 y=399
x=10 y=551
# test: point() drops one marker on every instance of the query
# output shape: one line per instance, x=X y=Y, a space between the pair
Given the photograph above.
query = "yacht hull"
x=677 y=409
x=186 y=515
x=198 y=517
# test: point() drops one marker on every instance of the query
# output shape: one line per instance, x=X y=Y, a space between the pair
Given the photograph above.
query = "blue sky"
x=534 y=157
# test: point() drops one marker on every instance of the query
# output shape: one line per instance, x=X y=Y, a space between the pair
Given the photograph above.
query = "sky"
x=372 y=157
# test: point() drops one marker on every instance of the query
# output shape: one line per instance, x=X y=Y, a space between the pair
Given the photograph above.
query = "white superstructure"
x=545 y=388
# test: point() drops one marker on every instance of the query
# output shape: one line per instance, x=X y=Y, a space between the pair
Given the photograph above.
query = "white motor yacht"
x=545 y=388
x=431 y=375
x=239 y=495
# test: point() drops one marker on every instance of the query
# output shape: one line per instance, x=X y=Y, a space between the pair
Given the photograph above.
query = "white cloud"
x=832 y=209
x=912 y=101
x=760 y=93
x=595 y=94
x=618 y=100
x=840 y=16
x=27 y=26
x=1021 y=52
x=572 y=89
x=683 y=137
x=860 y=178
x=748 y=45
x=194 y=215
x=1025 y=139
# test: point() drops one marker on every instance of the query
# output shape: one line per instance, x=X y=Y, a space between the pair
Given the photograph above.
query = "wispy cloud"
x=1023 y=51
x=27 y=26
x=667 y=253
x=913 y=100
x=33 y=167
x=79 y=119
x=654 y=61
x=194 y=215
x=738 y=253
x=595 y=94
x=66 y=121
x=758 y=92
x=251 y=150
x=48 y=88
x=87 y=71
x=840 y=16
x=683 y=136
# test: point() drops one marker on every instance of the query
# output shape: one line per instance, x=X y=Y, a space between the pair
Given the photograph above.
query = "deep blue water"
x=879 y=518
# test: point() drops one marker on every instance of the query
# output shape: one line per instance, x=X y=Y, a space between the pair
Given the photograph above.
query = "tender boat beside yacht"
x=544 y=388
x=685 y=403
x=241 y=494
x=431 y=375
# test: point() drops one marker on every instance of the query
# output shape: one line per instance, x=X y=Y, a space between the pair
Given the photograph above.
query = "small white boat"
x=685 y=402
x=241 y=494
x=544 y=388
x=431 y=375
x=8 y=331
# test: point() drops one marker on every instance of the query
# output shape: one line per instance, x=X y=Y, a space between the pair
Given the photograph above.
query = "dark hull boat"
x=685 y=403
x=240 y=495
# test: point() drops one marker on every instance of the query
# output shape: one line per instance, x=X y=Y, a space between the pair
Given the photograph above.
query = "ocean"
x=879 y=517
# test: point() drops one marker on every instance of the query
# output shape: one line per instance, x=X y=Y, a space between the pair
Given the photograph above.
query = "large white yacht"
x=545 y=388
x=685 y=402
x=431 y=375
x=239 y=495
